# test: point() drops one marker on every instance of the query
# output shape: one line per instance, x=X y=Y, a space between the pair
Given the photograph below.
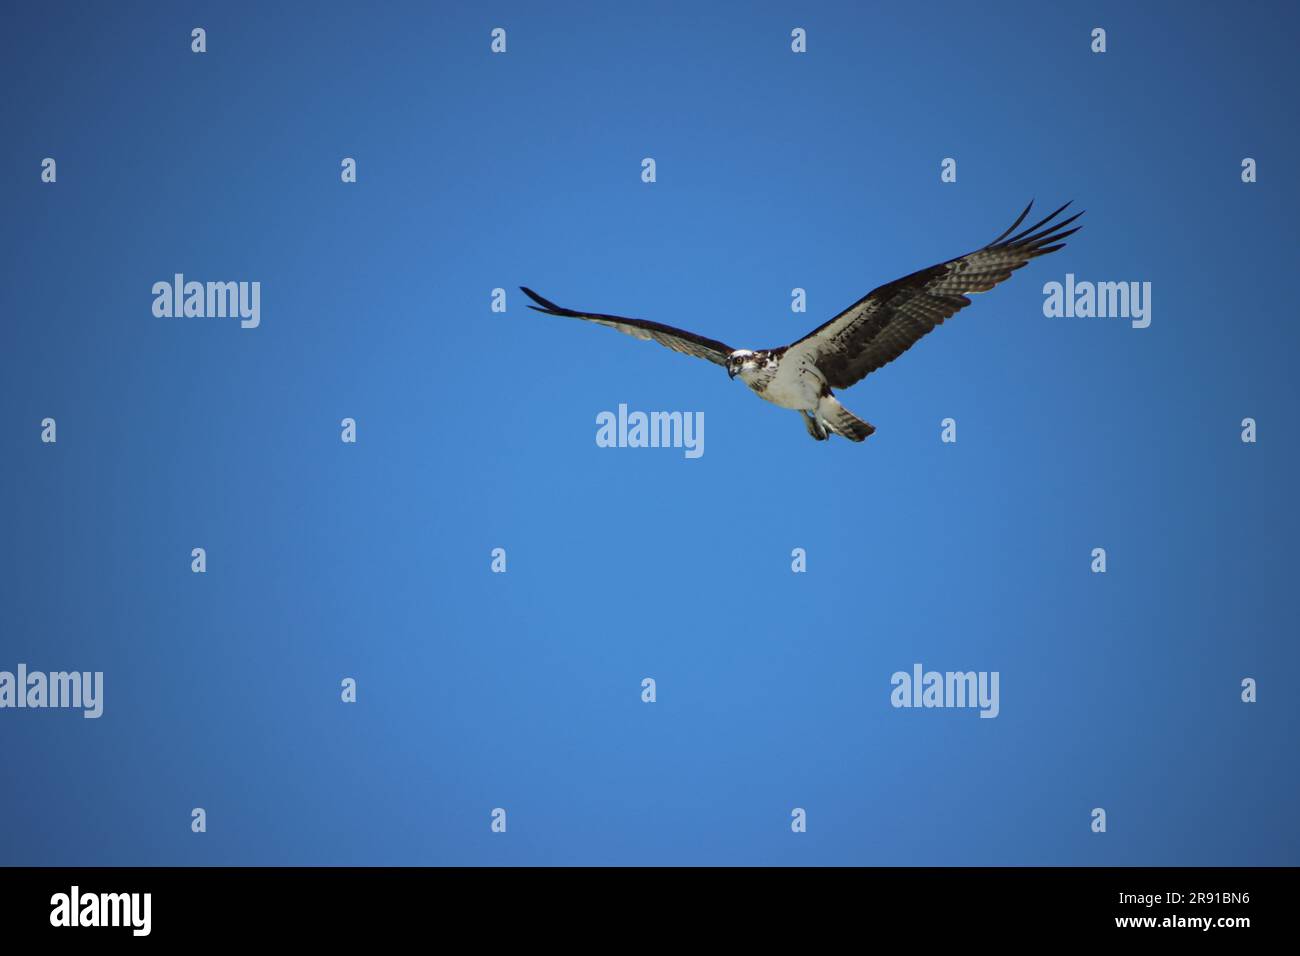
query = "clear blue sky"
x=476 y=431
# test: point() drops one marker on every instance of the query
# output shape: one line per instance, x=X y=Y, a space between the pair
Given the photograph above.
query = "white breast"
x=795 y=383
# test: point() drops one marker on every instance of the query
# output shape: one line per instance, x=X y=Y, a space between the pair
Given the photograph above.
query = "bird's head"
x=741 y=360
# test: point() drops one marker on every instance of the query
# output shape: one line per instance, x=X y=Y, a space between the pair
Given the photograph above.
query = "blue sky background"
x=476 y=431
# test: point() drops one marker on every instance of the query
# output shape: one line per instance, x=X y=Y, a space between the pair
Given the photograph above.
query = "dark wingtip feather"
x=1056 y=240
x=1021 y=236
x=549 y=307
x=1051 y=234
x=1061 y=235
x=1019 y=220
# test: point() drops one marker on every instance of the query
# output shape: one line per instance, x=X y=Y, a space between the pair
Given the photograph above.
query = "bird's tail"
x=842 y=421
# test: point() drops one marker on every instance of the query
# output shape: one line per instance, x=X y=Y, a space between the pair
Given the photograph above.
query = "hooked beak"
x=731 y=371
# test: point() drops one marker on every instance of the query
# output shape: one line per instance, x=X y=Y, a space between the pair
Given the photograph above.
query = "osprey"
x=873 y=331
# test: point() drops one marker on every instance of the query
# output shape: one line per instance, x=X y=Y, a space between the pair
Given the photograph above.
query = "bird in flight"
x=873 y=331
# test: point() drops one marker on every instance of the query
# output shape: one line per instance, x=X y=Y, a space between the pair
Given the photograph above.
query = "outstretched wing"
x=886 y=322
x=688 y=343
